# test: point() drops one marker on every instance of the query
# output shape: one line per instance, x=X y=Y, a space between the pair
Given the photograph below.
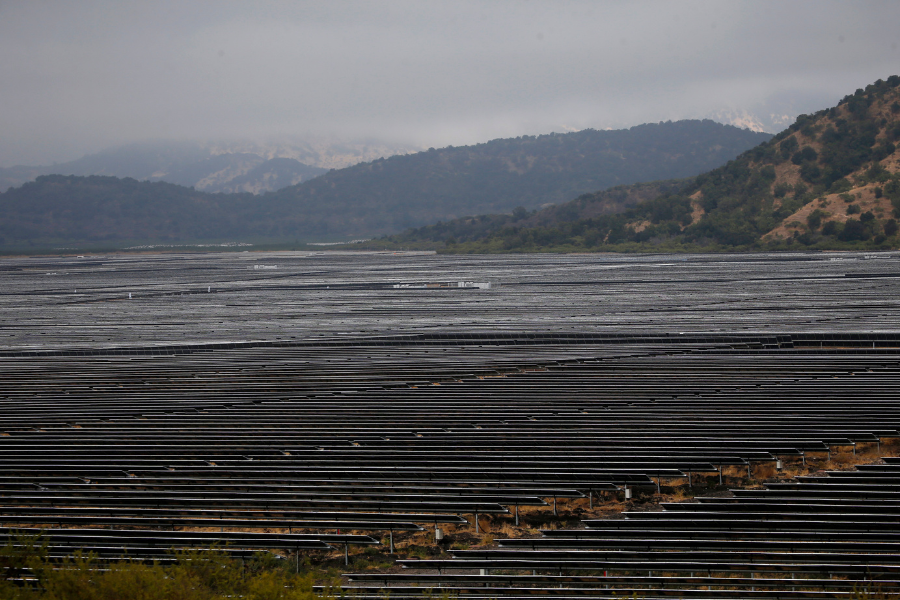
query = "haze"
x=79 y=77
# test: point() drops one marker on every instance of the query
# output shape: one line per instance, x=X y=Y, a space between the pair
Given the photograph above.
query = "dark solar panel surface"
x=315 y=396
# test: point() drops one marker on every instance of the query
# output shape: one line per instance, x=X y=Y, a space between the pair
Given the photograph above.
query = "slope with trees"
x=406 y=191
x=383 y=196
x=831 y=180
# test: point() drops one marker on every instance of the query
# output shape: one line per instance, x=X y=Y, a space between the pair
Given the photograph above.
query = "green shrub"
x=830 y=228
x=196 y=575
x=814 y=220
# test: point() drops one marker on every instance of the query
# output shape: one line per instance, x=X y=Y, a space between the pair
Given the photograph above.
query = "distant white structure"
x=265 y=266
x=484 y=285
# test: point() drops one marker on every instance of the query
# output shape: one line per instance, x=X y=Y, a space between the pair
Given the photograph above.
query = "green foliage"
x=461 y=233
x=814 y=220
x=206 y=575
x=782 y=189
x=877 y=173
x=892 y=192
x=831 y=228
x=100 y=209
x=807 y=154
x=787 y=147
x=854 y=231
x=18 y=558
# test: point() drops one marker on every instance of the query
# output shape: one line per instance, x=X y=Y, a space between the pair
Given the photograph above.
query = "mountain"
x=382 y=196
x=237 y=166
x=66 y=209
x=232 y=173
x=530 y=171
x=831 y=180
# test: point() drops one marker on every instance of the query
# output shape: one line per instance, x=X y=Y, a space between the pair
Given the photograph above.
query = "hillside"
x=64 y=209
x=383 y=196
x=406 y=191
x=831 y=180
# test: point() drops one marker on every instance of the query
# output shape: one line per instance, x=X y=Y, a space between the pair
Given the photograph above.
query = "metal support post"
x=720 y=476
x=391 y=535
x=555 y=513
x=517 y=515
x=346 y=554
x=477 y=530
x=591 y=499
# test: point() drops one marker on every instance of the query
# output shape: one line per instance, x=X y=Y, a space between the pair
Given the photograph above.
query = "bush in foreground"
x=31 y=573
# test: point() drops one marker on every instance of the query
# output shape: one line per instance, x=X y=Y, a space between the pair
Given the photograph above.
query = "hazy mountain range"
x=230 y=167
x=265 y=166
x=360 y=201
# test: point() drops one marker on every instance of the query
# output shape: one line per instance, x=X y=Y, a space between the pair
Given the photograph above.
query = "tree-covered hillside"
x=63 y=209
x=831 y=180
x=392 y=194
x=383 y=196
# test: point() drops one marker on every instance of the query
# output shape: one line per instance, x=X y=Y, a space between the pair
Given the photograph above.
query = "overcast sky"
x=76 y=77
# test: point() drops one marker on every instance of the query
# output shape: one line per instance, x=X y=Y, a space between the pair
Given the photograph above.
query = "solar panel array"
x=313 y=405
x=795 y=540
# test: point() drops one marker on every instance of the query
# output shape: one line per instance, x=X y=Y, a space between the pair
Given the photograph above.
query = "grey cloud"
x=81 y=76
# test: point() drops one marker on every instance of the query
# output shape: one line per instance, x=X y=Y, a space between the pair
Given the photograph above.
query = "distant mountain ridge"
x=364 y=200
x=498 y=176
x=831 y=180
x=230 y=167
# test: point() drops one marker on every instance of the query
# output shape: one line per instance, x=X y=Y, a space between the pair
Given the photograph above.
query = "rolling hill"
x=382 y=196
x=831 y=180
x=225 y=166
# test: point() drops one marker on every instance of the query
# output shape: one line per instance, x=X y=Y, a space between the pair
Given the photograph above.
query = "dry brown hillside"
x=830 y=181
x=865 y=193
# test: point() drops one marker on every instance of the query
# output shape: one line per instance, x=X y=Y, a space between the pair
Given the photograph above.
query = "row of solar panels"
x=482 y=446
x=794 y=340
x=369 y=436
x=84 y=305
x=796 y=540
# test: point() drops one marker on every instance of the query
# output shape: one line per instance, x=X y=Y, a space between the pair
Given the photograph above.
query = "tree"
x=815 y=219
x=853 y=231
